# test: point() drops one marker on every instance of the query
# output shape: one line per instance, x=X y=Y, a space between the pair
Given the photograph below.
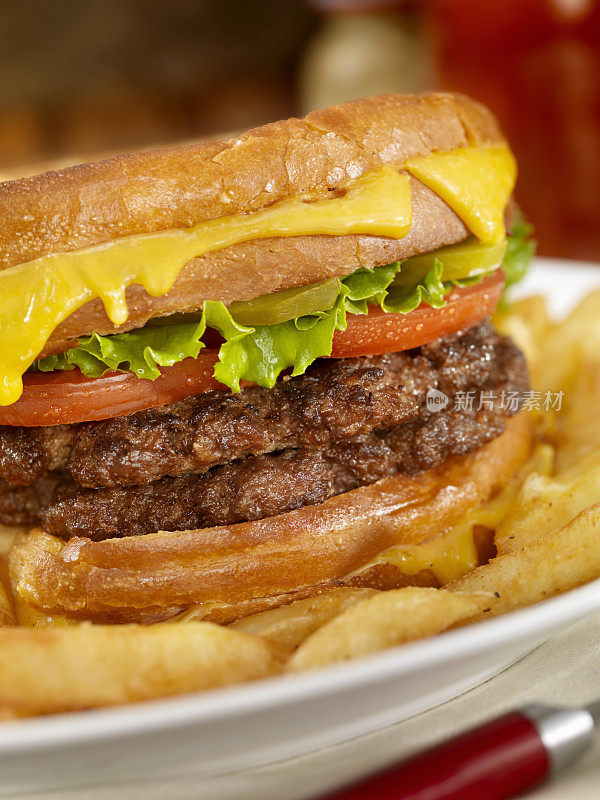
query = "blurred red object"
x=536 y=63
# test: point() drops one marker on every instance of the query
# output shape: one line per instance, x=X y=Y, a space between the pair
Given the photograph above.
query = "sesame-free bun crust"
x=177 y=187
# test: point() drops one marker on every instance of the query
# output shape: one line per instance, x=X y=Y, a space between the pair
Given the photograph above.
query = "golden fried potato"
x=385 y=620
x=8 y=534
x=7 y=612
x=561 y=560
x=527 y=323
x=87 y=666
x=567 y=345
x=291 y=624
x=578 y=429
x=31 y=617
x=583 y=325
x=548 y=541
x=545 y=503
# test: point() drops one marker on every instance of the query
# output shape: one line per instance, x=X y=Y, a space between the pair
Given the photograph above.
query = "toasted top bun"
x=177 y=187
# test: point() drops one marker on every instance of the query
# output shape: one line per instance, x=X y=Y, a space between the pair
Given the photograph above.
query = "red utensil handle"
x=492 y=762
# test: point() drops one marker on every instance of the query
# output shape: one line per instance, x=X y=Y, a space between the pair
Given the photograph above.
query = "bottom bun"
x=244 y=568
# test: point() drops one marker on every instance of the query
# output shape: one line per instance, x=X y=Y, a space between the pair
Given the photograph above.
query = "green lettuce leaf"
x=261 y=353
x=520 y=248
x=431 y=290
x=142 y=351
x=367 y=287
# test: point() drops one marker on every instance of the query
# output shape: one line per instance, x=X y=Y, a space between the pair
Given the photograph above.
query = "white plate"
x=232 y=729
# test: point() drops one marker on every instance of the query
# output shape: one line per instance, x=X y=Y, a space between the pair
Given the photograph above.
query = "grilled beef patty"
x=262 y=486
x=219 y=458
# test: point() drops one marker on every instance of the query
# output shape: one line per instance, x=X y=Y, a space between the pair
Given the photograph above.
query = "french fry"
x=545 y=503
x=527 y=323
x=8 y=534
x=561 y=560
x=578 y=432
x=88 y=666
x=291 y=624
x=7 y=612
x=567 y=345
x=583 y=325
x=31 y=617
x=385 y=620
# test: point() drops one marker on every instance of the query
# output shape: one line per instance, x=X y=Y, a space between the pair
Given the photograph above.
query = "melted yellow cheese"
x=35 y=297
x=453 y=554
x=449 y=556
x=476 y=182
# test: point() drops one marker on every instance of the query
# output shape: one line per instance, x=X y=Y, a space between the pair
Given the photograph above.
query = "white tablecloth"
x=565 y=669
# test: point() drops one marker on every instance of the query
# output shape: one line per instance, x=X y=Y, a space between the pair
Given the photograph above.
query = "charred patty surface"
x=219 y=458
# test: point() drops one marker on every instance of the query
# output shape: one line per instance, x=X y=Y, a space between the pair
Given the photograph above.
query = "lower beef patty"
x=347 y=423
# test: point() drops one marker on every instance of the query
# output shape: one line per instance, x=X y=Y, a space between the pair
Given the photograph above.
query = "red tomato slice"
x=377 y=332
x=60 y=398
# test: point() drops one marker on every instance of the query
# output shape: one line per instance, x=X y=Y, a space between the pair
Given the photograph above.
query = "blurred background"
x=80 y=79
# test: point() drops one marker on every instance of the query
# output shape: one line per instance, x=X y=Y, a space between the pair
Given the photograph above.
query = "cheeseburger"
x=236 y=373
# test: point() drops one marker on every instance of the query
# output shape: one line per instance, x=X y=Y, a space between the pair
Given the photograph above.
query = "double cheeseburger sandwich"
x=235 y=374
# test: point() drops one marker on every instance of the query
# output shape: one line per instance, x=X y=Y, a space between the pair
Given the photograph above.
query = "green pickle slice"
x=287 y=304
x=464 y=260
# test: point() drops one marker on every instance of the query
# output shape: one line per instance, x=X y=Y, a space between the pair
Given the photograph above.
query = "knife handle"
x=491 y=762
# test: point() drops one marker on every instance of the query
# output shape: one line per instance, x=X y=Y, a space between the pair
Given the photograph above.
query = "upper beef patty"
x=218 y=458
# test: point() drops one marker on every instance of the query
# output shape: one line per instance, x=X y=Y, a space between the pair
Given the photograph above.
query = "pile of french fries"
x=547 y=542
